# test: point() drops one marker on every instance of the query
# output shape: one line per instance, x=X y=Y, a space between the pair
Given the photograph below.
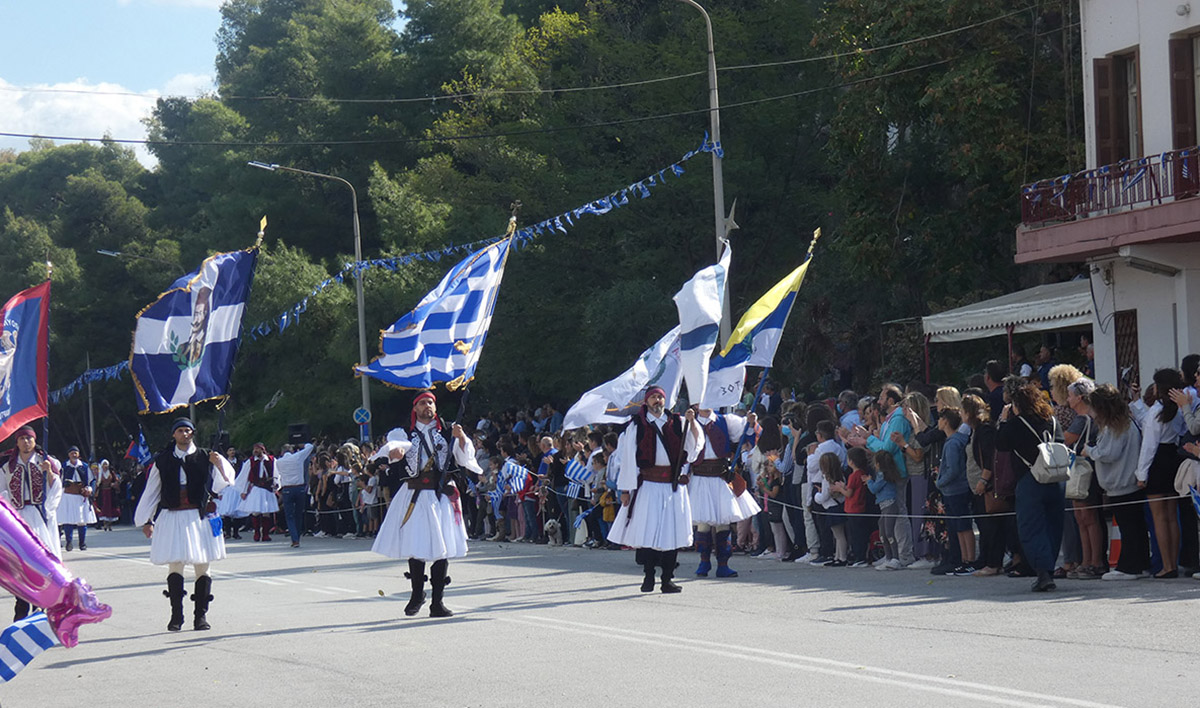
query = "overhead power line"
x=525 y=92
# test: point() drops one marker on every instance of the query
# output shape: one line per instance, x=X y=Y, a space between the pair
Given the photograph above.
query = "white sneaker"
x=884 y=566
x=319 y=534
x=922 y=564
x=895 y=564
x=1118 y=575
x=807 y=558
x=860 y=564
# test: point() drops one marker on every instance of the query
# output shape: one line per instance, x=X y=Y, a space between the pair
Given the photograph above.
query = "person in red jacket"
x=858 y=502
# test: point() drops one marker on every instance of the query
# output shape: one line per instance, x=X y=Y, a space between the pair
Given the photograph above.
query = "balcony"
x=1094 y=212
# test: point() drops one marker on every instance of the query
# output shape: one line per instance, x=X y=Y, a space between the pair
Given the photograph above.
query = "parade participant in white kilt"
x=656 y=512
x=256 y=485
x=712 y=489
x=424 y=522
x=30 y=483
x=75 y=510
x=180 y=487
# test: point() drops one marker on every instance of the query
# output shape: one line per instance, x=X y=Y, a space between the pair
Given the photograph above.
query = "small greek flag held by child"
x=514 y=475
x=495 y=497
x=1195 y=498
x=579 y=519
x=579 y=475
x=22 y=641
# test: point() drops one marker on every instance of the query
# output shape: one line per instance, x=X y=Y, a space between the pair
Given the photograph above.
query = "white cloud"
x=83 y=109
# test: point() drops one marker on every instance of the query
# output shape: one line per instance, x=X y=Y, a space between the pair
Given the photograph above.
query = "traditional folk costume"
x=658 y=518
x=714 y=504
x=109 y=487
x=256 y=485
x=424 y=522
x=35 y=495
x=180 y=487
x=75 y=510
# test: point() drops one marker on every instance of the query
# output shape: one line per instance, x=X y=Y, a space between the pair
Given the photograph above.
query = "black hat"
x=73 y=448
x=182 y=423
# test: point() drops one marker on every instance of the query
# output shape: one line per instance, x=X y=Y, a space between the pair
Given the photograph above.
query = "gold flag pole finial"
x=512 y=220
x=262 y=230
x=813 y=244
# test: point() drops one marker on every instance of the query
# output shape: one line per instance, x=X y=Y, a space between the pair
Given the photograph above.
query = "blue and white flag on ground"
x=442 y=338
x=513 y=476
x=22 y=641
x=578 y=475
x=617 y=400
x=186 y=341
x=699 y=303
x=754 y=340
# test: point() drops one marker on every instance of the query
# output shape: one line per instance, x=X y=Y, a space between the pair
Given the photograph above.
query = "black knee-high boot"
x=175 y=593
x=439 y=580
x=83 y=537
x=416 y=574
x=650 y=559
x=202 y=595
x=668 y=561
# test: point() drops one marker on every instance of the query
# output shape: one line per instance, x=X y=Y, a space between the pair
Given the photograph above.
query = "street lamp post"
x=714 y=119
x=362 y=327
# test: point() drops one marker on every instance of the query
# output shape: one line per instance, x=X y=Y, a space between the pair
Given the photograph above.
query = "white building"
x=1134 y=214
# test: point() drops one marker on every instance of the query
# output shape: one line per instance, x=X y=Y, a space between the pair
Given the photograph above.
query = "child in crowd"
x=883 y=486
x=608 y=511
x=368 y=494
x=858 y=521
x=771 y=488
x=831 y=498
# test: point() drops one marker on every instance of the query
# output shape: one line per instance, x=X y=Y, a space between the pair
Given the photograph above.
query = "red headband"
x=655 y=389
x=422 y=396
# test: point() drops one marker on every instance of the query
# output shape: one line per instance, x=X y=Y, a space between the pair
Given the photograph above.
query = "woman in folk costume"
x=424 y=522
x=31 y=484
x=75 y=510
x=256 y=485
x=109 y=487
x=180 y=487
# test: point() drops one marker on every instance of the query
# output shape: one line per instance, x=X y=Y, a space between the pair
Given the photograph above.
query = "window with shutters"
x=1118 y=108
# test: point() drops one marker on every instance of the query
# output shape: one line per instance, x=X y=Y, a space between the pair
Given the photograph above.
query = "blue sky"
x=61 y=61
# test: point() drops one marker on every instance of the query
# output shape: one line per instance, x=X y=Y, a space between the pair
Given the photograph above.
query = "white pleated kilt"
x=49 y=538
x=434 y=530
x=713 y=502
x=258 y=501
x=76 y=509
x=662 y=519
x=229 y=503
x=184 y=537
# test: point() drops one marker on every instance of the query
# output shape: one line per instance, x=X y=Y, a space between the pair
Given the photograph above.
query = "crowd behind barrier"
x=952 y=481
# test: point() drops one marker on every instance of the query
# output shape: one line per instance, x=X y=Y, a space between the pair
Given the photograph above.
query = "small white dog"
x=553 y=532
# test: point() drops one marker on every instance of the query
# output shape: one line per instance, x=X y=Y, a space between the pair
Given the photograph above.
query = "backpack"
x=1053 y=463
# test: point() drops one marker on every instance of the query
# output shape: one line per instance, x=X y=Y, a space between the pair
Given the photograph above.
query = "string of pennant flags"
x=561 y=223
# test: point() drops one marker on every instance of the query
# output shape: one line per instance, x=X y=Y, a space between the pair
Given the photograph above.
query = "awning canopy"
x=1038 y=309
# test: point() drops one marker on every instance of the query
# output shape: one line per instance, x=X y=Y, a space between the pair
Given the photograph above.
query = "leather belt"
x=655 y=474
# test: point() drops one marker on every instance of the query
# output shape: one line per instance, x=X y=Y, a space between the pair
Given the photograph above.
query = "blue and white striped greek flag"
x=514 y=476
x=22 y=641
x=580 y=518
x=579 y=475
x=1195 y=498
x=699 y=304
x=442 y=338
x=496 y=496
x=186 y=340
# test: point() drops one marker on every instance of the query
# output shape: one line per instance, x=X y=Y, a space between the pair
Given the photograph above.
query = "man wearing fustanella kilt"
x=256 y=484
x=656 y=512
x=716 y=502
x=31 y=484
x=180 y=487
x=424 y=523
x=75 y=510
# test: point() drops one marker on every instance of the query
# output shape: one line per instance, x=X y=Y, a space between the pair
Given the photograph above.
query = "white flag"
x=699 y=303
x=617 y=400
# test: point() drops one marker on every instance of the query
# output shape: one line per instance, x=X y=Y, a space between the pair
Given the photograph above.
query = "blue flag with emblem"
x=22 y=641
x=442 y=338
x=186 y=341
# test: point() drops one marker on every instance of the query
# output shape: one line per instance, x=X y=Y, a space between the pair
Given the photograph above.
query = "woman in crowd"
x=1023 y=424
x=769 y=446
x=919 y=468
x=1081 y=433
x=981 y=452
x=1114 y=458
x=109 y=487
x=1157 y=463
x=1074 y=553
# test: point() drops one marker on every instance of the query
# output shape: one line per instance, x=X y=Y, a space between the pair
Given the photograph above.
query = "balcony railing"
x=1148 y=180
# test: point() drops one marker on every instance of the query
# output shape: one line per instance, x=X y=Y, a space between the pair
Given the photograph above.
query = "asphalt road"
x=323 y=625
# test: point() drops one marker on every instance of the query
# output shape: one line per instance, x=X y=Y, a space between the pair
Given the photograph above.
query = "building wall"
x=1119 y=26
x=1168 y=308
